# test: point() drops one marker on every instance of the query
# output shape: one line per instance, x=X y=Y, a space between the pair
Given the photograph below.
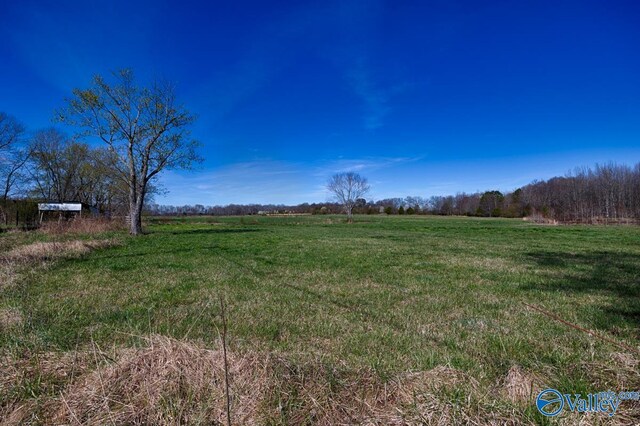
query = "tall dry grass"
x=87 y=226
x=168 y=382
x=16 y=257
x=38 y=254
x=177 y=382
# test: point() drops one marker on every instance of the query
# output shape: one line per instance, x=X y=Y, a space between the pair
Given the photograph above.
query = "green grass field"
x=390 y=295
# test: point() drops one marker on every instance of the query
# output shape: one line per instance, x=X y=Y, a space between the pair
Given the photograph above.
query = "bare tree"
x=57 y=165
x=346 y=188
x=13 y=155
x=145 y=129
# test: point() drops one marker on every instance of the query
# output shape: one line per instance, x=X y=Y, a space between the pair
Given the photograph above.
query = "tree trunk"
x=135 y=212
x=349 y=215
x=4 y=210
x=135 y=217
x=136 y=204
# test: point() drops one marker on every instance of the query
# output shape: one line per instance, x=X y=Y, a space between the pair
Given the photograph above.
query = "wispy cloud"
x=361 y=165
x=375 y=96
x=249 y=182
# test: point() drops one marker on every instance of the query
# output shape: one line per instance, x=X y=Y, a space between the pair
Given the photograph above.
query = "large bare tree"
x=144 y=128
x=347 y=188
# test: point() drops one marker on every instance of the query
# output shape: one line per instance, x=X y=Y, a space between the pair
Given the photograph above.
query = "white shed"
x=59 y=207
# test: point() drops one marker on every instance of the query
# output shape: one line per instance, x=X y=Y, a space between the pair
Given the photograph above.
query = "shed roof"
x=60 y=207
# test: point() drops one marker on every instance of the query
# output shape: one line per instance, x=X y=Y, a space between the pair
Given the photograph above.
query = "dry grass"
x=40 y=253
x=8 y=274
x=519 y=386
x=29 y=381
x=413 y=398
x=10 y=318
x=44 y=251
x=174 y=382
x=539 y=219
x=170 y=382
x=81 y=226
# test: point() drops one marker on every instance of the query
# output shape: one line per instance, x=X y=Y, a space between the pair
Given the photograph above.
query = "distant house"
x=61 y=210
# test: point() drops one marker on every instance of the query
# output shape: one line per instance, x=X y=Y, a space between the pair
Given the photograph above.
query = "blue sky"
x=422 y=97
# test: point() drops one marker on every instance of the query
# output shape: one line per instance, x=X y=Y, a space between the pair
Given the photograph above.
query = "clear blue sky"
x=422 y=97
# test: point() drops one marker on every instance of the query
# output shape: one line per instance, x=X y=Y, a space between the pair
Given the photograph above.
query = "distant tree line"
x=242 y=209
x=605 y=193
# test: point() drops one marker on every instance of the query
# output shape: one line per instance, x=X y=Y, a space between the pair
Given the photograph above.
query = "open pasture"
x=383 y=298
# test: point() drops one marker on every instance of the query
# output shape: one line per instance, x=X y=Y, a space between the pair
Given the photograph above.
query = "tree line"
x=604 y=193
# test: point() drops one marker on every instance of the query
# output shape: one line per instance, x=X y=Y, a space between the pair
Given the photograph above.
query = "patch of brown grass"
x=177 y=382
x=518 y=385
x=8 y=274
x=621 y=372
x=44 y=251
x=174 y=382
x=10 y=318
x=81 y=226
x=40 y=253
x=540 y=219
x=168 y=382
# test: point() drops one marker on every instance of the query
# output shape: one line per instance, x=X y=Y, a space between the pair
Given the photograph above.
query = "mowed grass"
x=393 y=294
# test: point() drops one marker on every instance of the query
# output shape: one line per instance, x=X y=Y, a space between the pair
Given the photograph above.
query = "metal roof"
x=57 y=207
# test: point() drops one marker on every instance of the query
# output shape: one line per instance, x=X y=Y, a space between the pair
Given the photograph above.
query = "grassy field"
x=385 y=297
